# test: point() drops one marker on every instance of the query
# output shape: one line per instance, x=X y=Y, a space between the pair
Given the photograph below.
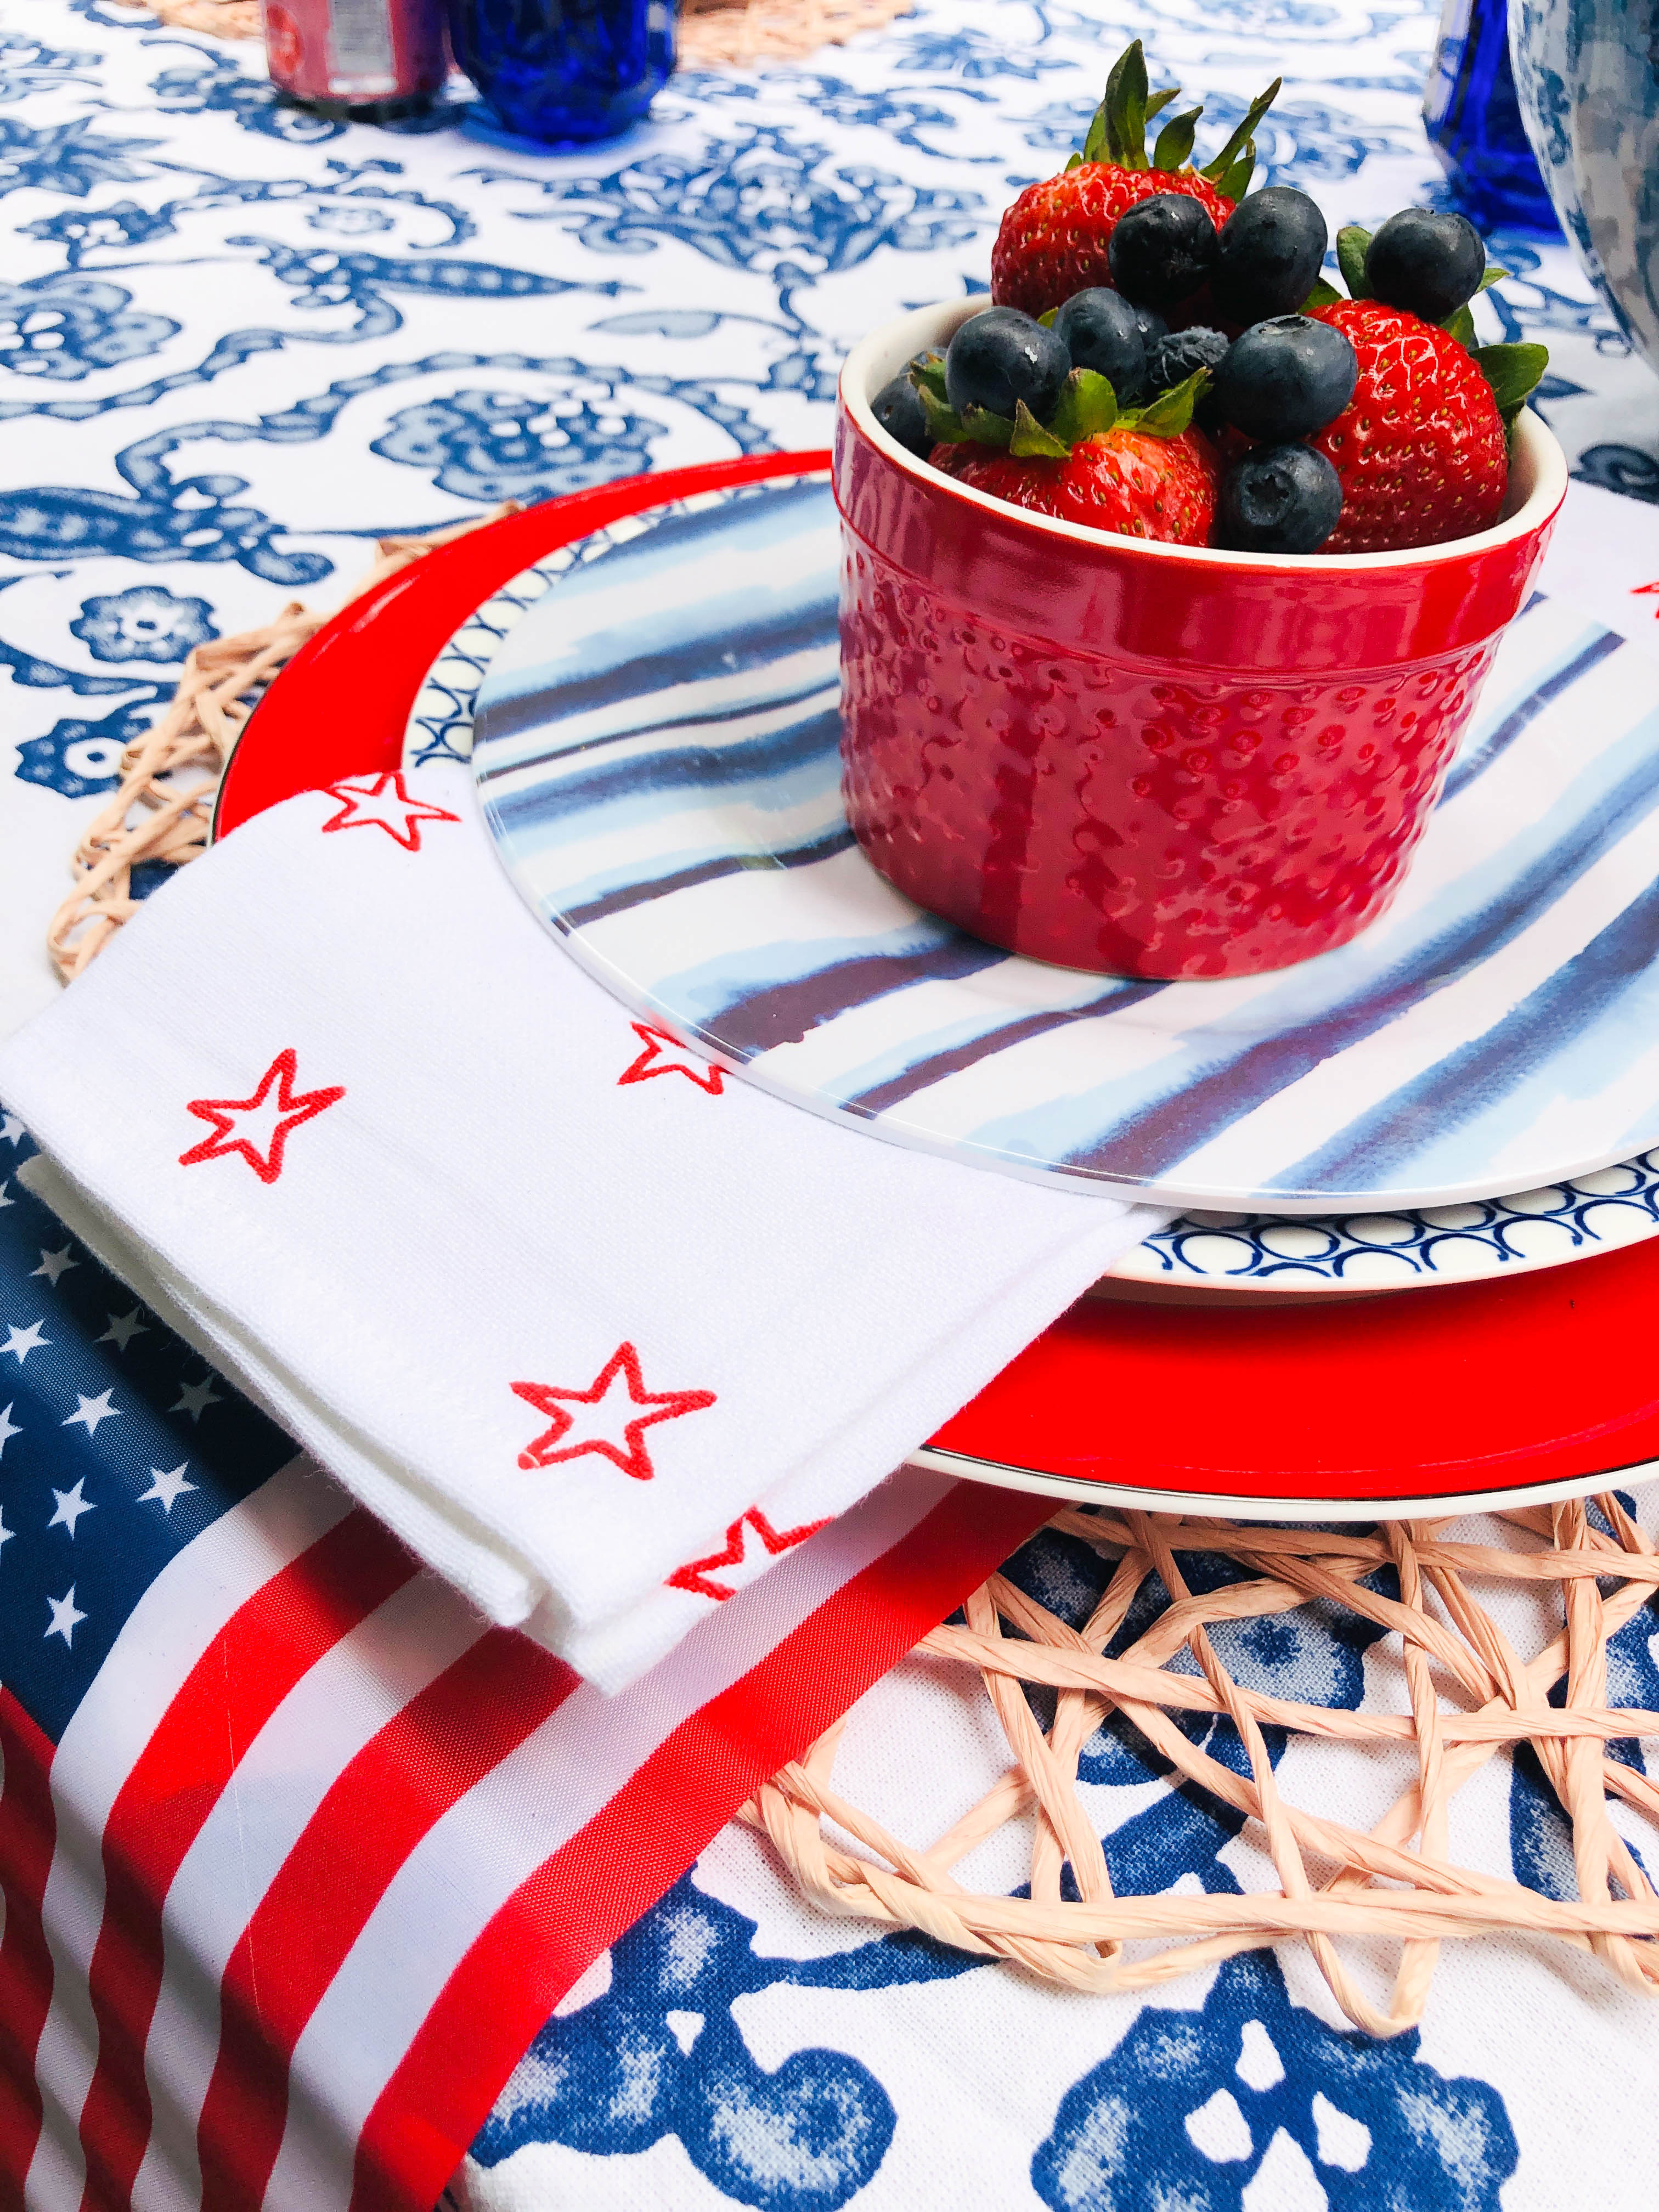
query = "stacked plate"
x=1464 y=1097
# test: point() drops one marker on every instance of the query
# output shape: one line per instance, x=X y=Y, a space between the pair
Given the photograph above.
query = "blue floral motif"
x=326 y=278
x=66 y=158
x=210 y=84
x=765 y=202
x=903 y=117
x=1187 y=2110
x=616 y=2076
x=81 y=230
x=65 y=327
x=27 y=65
x=196 y=519
x=495 y=446
x=146 y=622
x=81 y=758
x=1620 y=468
x=349 y=219
x=971 y=55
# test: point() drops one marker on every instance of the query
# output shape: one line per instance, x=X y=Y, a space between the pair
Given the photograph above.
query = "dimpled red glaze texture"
x=1138 y=763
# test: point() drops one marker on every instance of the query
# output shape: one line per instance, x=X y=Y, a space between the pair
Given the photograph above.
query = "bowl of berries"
x=1170 y=579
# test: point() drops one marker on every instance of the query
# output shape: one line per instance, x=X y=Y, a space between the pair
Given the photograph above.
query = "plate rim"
x=1004 y=1474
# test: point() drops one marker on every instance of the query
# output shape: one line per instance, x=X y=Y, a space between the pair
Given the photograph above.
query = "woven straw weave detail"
x=1395 y=1879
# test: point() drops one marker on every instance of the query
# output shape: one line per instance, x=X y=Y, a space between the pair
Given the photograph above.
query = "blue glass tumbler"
x=562 y=73
x=1474 y=126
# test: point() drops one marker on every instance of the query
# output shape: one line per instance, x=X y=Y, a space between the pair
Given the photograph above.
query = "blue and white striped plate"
x=655 y=750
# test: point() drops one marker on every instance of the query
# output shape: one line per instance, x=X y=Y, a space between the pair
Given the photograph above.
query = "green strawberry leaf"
x=1160 y=100
x=1321 y=295
x=1352 y=246
x=1217 y=170
x=987 y=429
x=1125 y=109
x=1175 y=141
x=1233 y=183
x=1087 y=407
x=1460 y=324
x=1494 y=275
x=1030 y=441
x=1046 y=318
x=1171 y=412
x=1076 y=162
x=1513 y=371
x=946 y=426
x=928 y=375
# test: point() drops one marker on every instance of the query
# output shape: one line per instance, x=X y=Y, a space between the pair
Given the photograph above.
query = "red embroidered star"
x=618 y=1385
x=665 y=1056
x=694 y=1575
x=382 y=802
x=257 y=1127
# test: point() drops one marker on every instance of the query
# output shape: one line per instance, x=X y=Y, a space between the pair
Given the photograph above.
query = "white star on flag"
x=64 y=1618
x=6 y=1534
x=195 y=1398
x=8 y=1429
x=164 y=1488
x=91 y=1411
x=123 y=1328
x=69 y=1507
x=23 y=1342
x=54 y=1264
x=4 y=1188
x=11 y=1128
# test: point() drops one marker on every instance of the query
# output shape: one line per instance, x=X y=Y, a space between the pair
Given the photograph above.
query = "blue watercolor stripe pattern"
x=655 y=745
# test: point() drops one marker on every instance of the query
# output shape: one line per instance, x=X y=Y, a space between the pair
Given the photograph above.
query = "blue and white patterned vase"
x=1587 y=75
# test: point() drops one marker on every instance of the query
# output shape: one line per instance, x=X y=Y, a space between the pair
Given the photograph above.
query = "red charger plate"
x=1473 y=1393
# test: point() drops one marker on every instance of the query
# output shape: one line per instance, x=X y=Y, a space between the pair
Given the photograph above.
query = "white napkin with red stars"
x=598 y=1330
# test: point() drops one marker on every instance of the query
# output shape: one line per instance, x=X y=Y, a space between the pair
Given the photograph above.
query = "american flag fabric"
x=298 y=1851
x=599 y=1341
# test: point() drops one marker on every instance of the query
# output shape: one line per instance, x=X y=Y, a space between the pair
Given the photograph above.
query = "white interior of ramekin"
x=1538 y=467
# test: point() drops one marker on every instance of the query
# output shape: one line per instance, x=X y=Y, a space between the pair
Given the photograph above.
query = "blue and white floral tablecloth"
x=236 y=345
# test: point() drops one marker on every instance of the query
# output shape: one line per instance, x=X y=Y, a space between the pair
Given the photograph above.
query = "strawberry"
x=1420 y=448
x=1143 y=473
x=1130 y=481
x=1053 y=242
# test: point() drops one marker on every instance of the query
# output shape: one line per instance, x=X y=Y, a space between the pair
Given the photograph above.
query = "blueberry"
x=1268 y=255
x=1001 y=356
x=1162 y=250
x=1286 y=378
x=897 y=407
x=1101 y=331
x=1426 y=263
x=1150 y=324
x=1173 y=359
x=1279 y=499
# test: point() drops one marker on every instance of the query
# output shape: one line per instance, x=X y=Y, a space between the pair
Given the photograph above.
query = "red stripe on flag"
x=27 y=1834
x=425 y=1760
x=593 y=1889
x=267 y=1645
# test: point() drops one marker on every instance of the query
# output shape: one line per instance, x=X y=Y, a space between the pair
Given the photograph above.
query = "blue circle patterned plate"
x=639 y=657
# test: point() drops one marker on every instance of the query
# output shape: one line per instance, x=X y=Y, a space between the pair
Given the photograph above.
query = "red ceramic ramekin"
x=1145 y=759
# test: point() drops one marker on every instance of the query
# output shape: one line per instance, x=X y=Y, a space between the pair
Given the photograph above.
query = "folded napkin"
x=597 y=1329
